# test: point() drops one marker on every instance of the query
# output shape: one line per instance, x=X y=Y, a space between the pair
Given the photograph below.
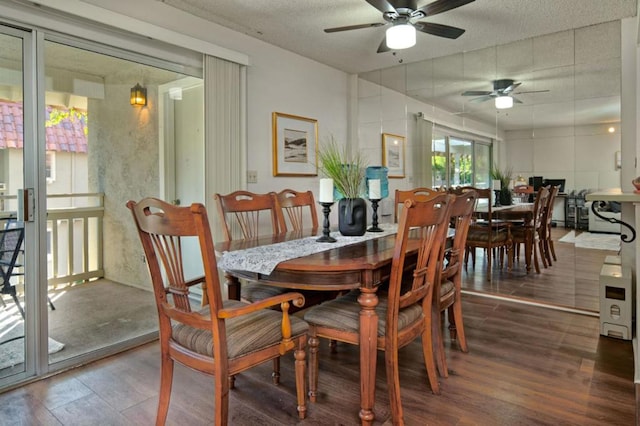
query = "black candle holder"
x=326 y=238
x=497 y=203
x=374 y=221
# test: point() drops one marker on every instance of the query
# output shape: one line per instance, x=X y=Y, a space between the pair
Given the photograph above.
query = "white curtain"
x=225 y=132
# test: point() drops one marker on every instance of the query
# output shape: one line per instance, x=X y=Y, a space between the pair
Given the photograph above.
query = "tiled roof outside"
x=67 y=136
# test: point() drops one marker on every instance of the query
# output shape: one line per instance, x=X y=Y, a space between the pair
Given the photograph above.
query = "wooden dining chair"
x=244 y=209
x=486 y=232
x=448 y=283
x=529 y=233
x=420 y=194
x=404 y=311
x=548 y=249
x=223 y=338
x=298 y=209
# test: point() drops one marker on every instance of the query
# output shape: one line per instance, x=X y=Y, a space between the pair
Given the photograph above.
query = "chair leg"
x=301 y=365
x=553 y=250
x=275 y=375
x=221 y=399
x=393 y=385
x=542 y=254
x=536 y=263
x=313 y=344
x=166 y=380
x=438 y=341
x=429 y=362
x=453 y=334
x=489 y=271
x=456 y=309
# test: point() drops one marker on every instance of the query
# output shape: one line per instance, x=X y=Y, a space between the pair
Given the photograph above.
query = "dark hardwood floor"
x=526 y=366
x=572 y=282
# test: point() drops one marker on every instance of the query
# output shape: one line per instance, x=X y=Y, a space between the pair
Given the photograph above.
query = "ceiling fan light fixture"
x=401 y=36
x=504 y=102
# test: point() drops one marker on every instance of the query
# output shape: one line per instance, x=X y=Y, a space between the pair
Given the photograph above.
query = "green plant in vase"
x=504 y=176
x=347 y=172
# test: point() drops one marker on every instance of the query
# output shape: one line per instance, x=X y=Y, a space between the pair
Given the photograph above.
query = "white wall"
x=583 y=155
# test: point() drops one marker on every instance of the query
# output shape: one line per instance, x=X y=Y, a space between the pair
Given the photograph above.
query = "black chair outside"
x=10 y=247
x=11 y=240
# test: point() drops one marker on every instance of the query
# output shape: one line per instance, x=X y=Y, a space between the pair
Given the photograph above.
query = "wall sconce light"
x=138 y=95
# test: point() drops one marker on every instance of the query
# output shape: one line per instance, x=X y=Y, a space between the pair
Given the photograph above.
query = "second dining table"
x=362 y=264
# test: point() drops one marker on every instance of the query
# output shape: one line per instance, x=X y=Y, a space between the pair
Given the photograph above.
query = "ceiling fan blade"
x=476 y=93
x=383 y=45
x=440 y=6
x=382 y=5
x=516 y=100
x=531 y=91
x=354 y=27
x=439 y=29
x=511 y=88
x=481 y=99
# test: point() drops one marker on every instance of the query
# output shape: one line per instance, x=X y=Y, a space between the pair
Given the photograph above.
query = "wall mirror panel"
x=564 y=125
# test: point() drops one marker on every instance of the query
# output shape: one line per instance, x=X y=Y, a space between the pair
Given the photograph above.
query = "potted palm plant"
x=347 y=172
x=504 y=176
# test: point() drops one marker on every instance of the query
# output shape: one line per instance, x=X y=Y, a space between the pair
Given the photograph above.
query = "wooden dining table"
x=364 y=265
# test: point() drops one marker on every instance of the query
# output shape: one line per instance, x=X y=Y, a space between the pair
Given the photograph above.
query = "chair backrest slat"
x=294 y=204
x=422 y=227
x=245 y=207
x=419 y=194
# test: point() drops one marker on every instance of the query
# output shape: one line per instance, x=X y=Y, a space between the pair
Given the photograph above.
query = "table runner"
x=264 y=259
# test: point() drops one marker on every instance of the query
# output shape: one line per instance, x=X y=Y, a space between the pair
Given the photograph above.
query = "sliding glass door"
x=456 y=161
x=72 y=153
x=19 y=207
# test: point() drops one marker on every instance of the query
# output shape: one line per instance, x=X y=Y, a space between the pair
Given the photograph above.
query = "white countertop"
x=614 y=194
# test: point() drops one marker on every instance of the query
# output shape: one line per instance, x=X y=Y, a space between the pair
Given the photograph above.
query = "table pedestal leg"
x=233 y=287
x=368 y=353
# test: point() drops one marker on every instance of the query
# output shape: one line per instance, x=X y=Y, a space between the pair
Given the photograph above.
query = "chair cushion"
x=253 y=292
x=245 y=334
x=343 y=313
x=446 y=287
x=482 y=235
x=520 y=232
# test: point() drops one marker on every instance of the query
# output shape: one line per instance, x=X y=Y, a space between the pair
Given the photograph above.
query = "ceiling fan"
x=503 y=91
x=403 y=15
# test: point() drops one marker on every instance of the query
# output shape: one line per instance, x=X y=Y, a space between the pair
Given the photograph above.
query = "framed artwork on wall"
x=295 y=145
x=393 y=154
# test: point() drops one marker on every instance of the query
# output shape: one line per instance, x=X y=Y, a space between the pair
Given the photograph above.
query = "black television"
x=555 y=182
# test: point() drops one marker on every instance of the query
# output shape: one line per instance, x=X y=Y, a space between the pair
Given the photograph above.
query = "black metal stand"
x=374 y=222
x=497 y=203
x=623 y=237
x=326 y=238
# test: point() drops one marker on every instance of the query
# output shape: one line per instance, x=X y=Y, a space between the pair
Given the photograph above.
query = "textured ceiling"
x=530 y=41
x=298 y=25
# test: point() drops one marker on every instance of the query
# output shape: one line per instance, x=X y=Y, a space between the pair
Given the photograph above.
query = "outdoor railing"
x=74 y=237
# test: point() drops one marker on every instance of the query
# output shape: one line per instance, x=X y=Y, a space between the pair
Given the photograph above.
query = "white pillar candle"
x=374 y=189
x=496 y=184
x=326 y=191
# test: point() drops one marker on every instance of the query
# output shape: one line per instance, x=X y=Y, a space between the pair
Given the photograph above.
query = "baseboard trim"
x=530 y=302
